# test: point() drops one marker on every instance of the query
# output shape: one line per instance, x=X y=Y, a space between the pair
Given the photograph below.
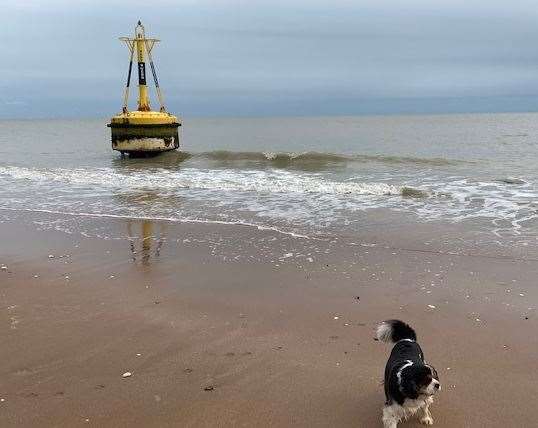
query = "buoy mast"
x=140 y=43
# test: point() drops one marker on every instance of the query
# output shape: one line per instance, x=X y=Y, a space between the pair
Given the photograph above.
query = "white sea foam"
x=273 y=198
x=171 y=219
x=274 y=181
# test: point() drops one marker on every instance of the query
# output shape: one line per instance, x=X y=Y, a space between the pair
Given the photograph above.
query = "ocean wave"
x=199 y=179
x=411 y=192
x=315 y=157
x=272 y=194
x=511 y=180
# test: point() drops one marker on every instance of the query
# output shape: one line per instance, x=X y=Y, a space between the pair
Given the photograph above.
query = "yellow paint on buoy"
x=143 y=131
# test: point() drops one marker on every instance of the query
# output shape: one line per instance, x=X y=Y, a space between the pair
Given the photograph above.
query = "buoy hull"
x=137 y=139
x=144 y=132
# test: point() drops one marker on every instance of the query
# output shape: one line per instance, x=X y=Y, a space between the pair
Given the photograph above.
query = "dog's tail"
x=392 y=331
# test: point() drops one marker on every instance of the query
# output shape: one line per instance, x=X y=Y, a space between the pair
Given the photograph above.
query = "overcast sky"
x=257 y=57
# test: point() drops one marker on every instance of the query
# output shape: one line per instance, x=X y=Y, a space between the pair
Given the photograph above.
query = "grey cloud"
x=260 y=57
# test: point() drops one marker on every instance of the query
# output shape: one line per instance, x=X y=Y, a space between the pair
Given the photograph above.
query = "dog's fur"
x=410 y=383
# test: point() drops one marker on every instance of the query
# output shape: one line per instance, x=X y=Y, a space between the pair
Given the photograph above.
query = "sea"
x=305 y=176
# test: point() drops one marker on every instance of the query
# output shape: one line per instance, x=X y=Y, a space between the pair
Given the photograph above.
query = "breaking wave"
x=196 y=179
x=273 y=196
x=313 y=157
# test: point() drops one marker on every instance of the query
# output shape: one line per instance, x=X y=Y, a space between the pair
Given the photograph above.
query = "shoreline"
x=280 y=339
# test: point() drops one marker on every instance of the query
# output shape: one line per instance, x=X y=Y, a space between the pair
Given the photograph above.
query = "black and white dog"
x=410 y=383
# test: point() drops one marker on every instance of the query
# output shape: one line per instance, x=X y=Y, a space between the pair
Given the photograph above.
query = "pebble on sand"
x=127 y=374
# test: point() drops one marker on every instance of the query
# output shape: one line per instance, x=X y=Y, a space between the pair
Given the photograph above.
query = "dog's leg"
x=424 y=415
x=390 y=419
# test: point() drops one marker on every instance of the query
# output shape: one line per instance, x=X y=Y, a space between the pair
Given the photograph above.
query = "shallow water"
x=302 y=175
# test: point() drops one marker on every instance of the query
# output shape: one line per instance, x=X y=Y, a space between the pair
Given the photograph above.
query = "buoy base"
x=138 y=133
x=133 y=144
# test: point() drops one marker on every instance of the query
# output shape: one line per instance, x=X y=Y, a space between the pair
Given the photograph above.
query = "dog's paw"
x=426 y=420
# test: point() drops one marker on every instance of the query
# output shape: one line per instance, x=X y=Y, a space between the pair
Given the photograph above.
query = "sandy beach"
x=228 y=325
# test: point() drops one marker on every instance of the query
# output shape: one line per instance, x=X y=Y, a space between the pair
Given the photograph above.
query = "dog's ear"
x=411 y=382
x=434 y=373
x=411 y=389
x=416 y=378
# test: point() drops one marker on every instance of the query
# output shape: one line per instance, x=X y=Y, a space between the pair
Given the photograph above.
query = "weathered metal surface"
x=145 y=144
x=157 y=138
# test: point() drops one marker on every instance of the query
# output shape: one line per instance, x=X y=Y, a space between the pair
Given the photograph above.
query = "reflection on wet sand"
x=146 y=246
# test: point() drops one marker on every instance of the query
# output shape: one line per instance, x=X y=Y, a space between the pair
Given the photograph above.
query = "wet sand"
x=233 y=326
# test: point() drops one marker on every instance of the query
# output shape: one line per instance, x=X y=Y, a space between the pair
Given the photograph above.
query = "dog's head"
x=420 y=380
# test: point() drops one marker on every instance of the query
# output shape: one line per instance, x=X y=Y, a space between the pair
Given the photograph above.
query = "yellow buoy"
x=143 y=131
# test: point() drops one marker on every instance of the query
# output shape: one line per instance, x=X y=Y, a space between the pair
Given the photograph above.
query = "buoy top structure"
x=144 y=130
